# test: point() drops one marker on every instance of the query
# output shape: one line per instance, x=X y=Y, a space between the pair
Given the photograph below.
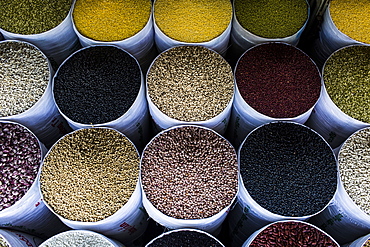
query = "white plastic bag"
x=19 y=239
x=358 y=242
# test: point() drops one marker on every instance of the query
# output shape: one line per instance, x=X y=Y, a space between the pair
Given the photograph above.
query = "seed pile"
x=347 y=81
x=367 y=244
x=32 y=17
x=288 y=169
x=354 y=168
x=189 y=172
x=3 y=242
x=111 y=20
x=20 y=158
x=271 y=18
x=278 y=80
x=292 y=234
x=192 y=21
x=190 y=83
x=352 y=18
x=24 y=76
x=77 y=238
x=185 y=238
x=89 y=174
x=97 y=84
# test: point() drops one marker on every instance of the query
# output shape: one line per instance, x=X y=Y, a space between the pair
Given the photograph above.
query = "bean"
x=3 y=242
x=367 y=244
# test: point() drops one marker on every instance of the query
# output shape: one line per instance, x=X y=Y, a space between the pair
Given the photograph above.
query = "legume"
x=185 y=238
x=352 y=18
x=354 y=169
x=347 y=81
x=89 y=174
x=111 y=20
x=288 y=169
x=278 y=80
x=77 y=239
x=367 y=244
x=190 y=83
x=24 y=76
x=192 y=21
x=32 y=17
x=20 y=159
x=97 y=84
x=292 y=234
x=271 y=18
x=189 y=172
x=3 y=242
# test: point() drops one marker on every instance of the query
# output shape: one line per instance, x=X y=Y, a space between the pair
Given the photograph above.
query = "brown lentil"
x=190 y=83
x=354 y=168
x=189 y=172
x=32 y=17
x=192 y=21
x=24 y=76
x=352 y=18
x=111 y=20
x=89 y=174
x=347 y=81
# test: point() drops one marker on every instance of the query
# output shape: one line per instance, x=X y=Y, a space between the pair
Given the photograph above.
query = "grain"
x=32 y=17
x=292 y=234
x=97 y=84
x=352 y=18
x=89 y=174
x=354 y=160
x=111 y=20
x=190 y=83
x=192 y=21
x=278 y=80
x=288 y=169
x=20 y=158
x=271 y=18
x=24 y=76
x=189 y=172
x=347 y=80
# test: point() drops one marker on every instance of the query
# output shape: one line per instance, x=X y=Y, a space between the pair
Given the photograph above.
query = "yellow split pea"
x=111 y=20
x=192 y=21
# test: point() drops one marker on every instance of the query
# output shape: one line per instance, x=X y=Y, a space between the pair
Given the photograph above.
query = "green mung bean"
x=347 y=81
x=354 y=168
x=90 y=174
x=352 y=18
x=190 y=83
x=271 y=18
x=24 y=76
x=192 y=21
x=32 y=17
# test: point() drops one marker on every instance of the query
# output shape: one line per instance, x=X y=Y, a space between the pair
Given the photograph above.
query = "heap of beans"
x=20 y=159
x=111 y=20
x=32 y=17
x=278 y=80
x=192 y=21
x=354 y=168
x=97 y=84
x=190 y=83
x=273 y=18
x=189 y=172
x=352 y=18
x=3 y=242
x=90 y=174
x=288 y=169
x=346 y=77
x=185 y=238
x=292 y=234
x=24 y=76
x=367 y=244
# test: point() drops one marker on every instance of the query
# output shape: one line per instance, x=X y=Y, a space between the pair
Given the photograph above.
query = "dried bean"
x=367 y=244
x=278 y=80
x=3 y=242
x=189 y=172
x=20 y=158
x=97 y=84
x=24 y=76
x=354 y=160
x=288 y=169
x=89 y=174
x=32 y=17
x=190 y=83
